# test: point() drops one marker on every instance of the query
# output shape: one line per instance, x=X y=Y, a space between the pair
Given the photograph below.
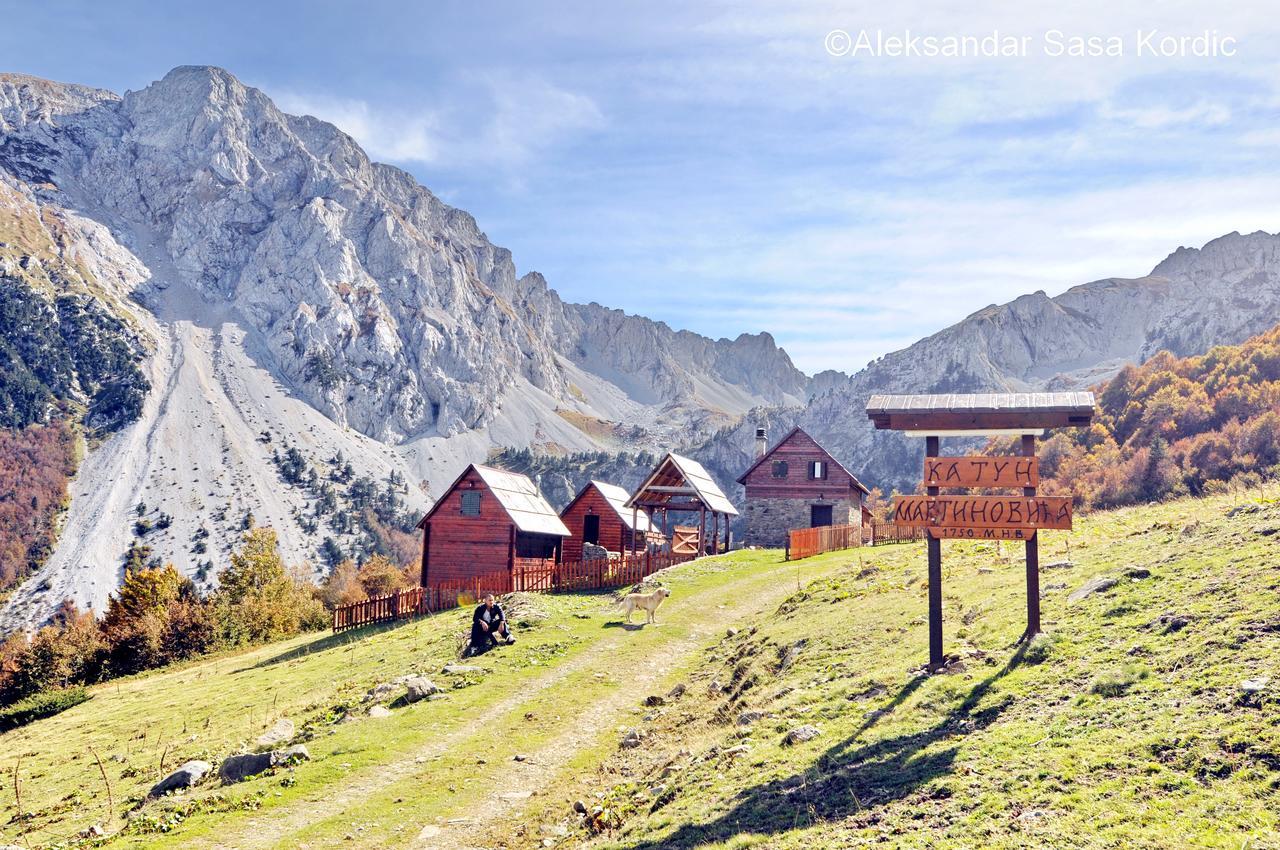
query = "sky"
x=732 y=168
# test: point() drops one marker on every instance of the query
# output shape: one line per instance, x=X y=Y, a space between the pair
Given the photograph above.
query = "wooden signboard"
x=984 y=511
x=1012 y=534
x=981 y=472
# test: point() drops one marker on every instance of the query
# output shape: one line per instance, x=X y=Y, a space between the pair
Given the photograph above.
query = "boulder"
x=185 y=776
x=380 y=692
x=800 y=734
x=1244 y=509
x=1266 y=530
x=654 y=700
x=290 y=755
x=280 y=732
x=379 y=711
x=419 y=688
x=1135 y=572
x=592 y=552
x=240 y=767
x=677 y=691
x=237 y=768
x=630 y=740
x=1060 y=565
x=1255 y=686
x=1091 y=587
x=461 y=669
x=747 y=718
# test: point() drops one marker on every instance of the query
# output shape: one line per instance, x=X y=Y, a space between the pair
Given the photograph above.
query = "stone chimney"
x=762 y=443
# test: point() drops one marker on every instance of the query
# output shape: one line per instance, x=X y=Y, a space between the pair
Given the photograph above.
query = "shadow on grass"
x=623 y=624
x=331 y=641
x=849 y=778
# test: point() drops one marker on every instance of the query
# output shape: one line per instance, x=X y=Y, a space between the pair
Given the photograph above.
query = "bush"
x=378 y=577
x=342 y=586
x=45 y=704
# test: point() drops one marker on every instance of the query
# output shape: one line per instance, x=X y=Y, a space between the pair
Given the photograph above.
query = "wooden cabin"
x=797 y=484
x=486 y=520
x=599 y=515
x=680 y=485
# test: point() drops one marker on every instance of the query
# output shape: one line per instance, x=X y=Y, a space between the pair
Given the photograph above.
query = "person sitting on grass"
x=489 y=626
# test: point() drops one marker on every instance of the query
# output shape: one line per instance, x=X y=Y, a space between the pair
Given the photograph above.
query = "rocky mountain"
x=1223 y=293
x=300 y=301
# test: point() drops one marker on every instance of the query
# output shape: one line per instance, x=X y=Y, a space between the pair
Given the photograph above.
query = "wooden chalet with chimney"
x=599 y=515
x=487 y=520
x=797 y=484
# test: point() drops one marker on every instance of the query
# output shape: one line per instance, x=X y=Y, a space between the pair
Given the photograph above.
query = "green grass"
x=528 y=694
x=1115 y=729
x=1123 y=726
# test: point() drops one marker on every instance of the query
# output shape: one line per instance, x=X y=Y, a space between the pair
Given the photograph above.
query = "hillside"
x=1176 y=425
x=1126 y=726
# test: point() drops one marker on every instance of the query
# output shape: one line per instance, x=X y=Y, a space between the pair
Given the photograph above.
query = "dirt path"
x=757 y=592
x=506 y=805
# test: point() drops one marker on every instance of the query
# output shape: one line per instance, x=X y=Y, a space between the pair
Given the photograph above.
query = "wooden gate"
x=684 y=540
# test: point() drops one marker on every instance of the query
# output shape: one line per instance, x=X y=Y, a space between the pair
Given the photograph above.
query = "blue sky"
x=714 y=166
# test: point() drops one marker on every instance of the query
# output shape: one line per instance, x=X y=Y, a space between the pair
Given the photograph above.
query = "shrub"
x=45 y=704
x=342 y=586
x=378 y=576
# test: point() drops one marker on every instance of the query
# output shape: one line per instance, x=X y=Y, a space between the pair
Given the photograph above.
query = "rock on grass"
x=1089 y=588
x=186 y=776
x=800 y=734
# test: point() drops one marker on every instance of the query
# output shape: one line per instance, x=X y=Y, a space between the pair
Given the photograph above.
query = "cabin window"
x=471 y=503
x=817 y=470
x=779 y=469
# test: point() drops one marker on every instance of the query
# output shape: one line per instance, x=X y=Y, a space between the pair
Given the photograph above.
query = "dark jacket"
x=493 y=616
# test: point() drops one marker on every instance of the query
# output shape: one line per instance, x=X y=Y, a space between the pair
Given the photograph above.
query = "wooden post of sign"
x=935 y=577
x=1033 y=555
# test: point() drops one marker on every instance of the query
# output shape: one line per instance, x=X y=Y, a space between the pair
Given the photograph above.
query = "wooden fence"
x=887 y=532
x=528 y=574
x=806 y=542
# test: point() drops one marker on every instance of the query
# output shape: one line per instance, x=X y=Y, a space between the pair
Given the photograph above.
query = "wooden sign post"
x=981 y=517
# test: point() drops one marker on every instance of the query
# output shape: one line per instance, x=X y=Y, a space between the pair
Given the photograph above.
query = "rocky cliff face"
x=390 y=311
x=295 y=294
x=1222 y=293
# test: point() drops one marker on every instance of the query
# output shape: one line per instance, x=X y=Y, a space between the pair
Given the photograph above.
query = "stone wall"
x=769 y=520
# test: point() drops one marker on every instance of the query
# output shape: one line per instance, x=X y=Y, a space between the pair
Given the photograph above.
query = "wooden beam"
x=934 y=549
x=1033 y=555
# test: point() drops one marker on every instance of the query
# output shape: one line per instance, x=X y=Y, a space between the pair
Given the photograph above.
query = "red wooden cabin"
x=485 y=521
x=598 y=514
x=797 y=484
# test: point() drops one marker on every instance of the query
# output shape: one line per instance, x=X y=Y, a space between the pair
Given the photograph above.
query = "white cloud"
x=395 y=134
x=495 y=121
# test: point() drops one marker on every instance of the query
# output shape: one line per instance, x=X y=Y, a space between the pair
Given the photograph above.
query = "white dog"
x=647 y=602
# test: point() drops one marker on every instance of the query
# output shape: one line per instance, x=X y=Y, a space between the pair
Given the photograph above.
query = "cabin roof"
x=617 y=499
x=742 y=479
x=518 y=496
x=690 y=474
x=977 y=411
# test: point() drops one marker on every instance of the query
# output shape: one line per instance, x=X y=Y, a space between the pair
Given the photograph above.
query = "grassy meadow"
x=1125 y=725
